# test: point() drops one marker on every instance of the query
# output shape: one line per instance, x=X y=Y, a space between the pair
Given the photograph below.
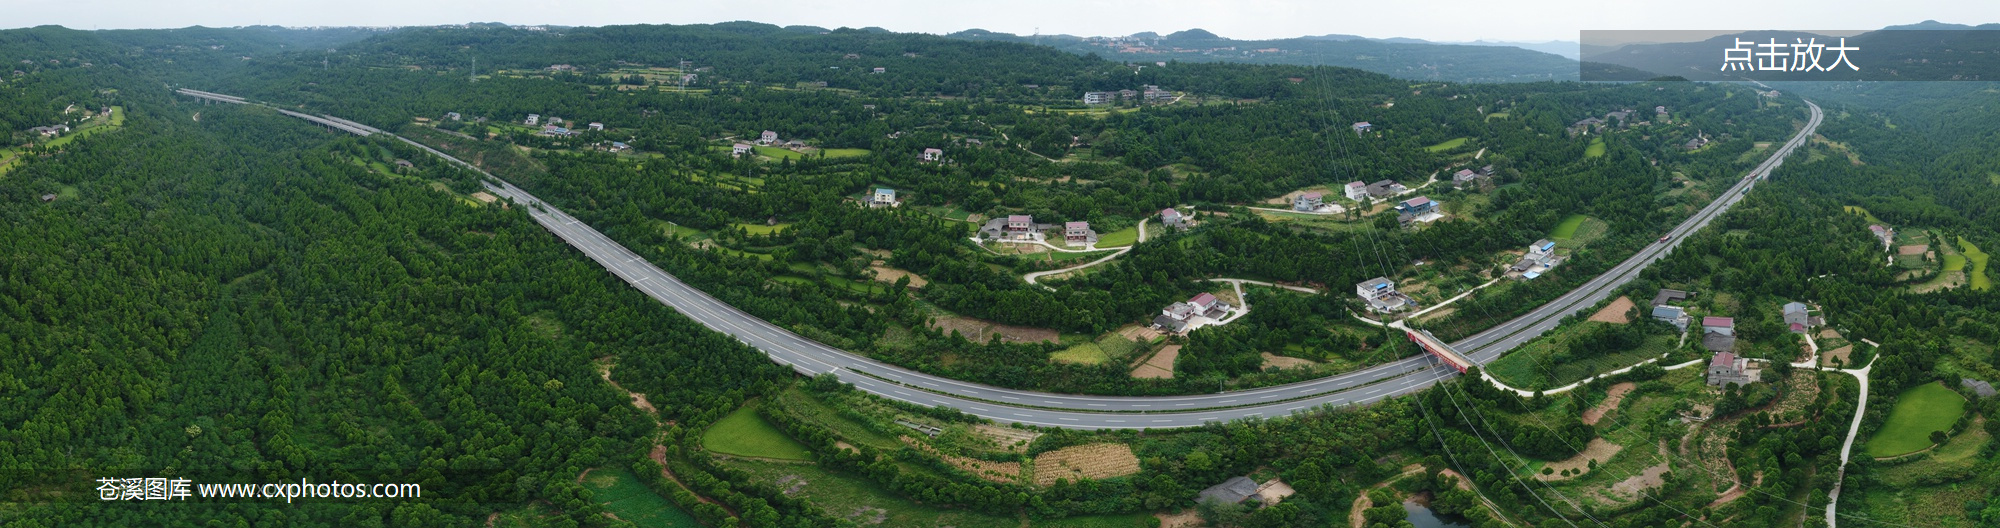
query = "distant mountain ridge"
x=1417 y=59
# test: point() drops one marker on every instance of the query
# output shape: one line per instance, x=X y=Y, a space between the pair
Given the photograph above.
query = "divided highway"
x=1076 y=411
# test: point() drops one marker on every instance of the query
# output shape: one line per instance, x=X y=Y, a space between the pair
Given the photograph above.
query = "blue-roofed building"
x=1417 y=206
x=1673 y=315
x=1540 y=257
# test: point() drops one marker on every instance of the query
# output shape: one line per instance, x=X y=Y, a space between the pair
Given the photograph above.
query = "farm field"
x=1447 y=145
x=1089 y=461
x=1980 y=280
x=744 y=433
x=624 y=496
x=1108 y=348
x=1595 y=150
x=844 y=152
x=775 y=152
x=1918 y=412
x=1567 y=229
x=761 y=229
x=861 y=501
x=1577 y=230
x=1120 y=238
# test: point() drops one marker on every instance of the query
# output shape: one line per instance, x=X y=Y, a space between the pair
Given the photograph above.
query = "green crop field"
x=623 y=495
x=1918 y=412
x=1954 y=262
x=685 y=232
x=743 y=433
x=844 y=152
x=1595 y=150
x=761 y=229
x=860 y=500
x=1863 y=211
x=1979 y=279
x=1120 y=238
x=1107 y=348
x=775 y=152
x=1567 y=229
x=1447 y=145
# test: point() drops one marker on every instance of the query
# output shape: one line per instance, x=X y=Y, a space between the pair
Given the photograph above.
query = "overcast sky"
x=1445 y=20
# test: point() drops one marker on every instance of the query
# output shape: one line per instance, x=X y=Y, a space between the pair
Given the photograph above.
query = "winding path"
x=1034 y=278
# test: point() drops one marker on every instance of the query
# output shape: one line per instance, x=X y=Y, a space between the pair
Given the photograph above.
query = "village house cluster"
x=1149 y=93
x=1541 y=257
x=1718 y=335
x=1202 y=310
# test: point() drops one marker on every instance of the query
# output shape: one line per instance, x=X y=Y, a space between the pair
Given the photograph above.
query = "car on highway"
x=1664 y=239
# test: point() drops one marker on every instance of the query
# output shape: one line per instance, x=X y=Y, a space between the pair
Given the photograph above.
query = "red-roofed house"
x=767 y=138
x=1356 y=191
x=1078 y=234
x=1020 y=226
x=1203 y=302
x=1720 y=325
x=1726 y=368
x=1172 y=218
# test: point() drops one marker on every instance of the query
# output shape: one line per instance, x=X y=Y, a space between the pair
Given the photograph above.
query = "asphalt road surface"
x=1098 y=412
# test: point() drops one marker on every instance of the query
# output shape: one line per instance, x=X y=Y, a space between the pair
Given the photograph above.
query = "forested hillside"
x=222 y=293
x=226 y=300
x=1117 y=168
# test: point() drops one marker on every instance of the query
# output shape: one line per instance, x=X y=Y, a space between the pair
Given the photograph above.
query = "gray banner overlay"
x=1779 y=55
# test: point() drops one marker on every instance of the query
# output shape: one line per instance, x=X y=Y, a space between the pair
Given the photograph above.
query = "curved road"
x=1096 y=412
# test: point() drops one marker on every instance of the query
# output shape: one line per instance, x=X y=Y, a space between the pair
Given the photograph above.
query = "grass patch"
x=1549 y=362
x=808 y=407
x=1129 y=520
x=1918 y=412
x=1856 y=209
x=1980 y=281
x=685 y=232
x=775 y=152
x=1108 y=348
x=1496 y=115
x=623 y=495
x=1596 y=148
x=1085 y=354
x=862 y=501
x=844 y=152
x=1567 y=229
x=761 y=229
x=1120 y=238
x=1954 y=262
x=1447 y=145
x=744 y=433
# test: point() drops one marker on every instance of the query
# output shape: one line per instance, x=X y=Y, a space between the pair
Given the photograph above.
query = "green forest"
x=225 y=294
